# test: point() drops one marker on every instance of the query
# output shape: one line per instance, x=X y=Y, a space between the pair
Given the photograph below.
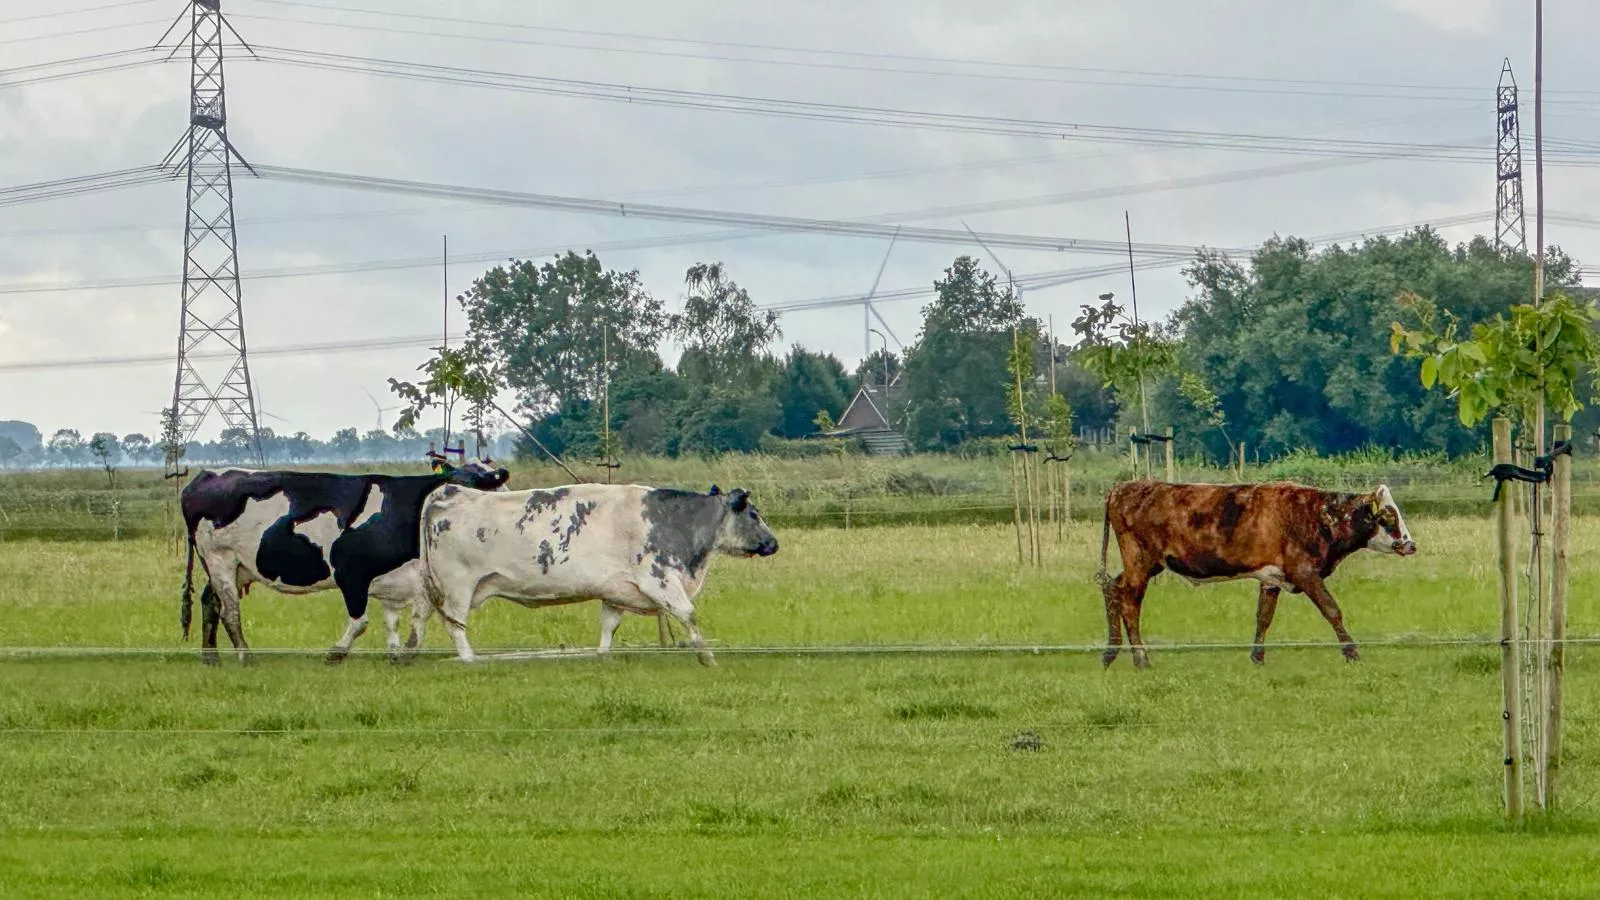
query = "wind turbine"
x=379 y=410
x=870 y=312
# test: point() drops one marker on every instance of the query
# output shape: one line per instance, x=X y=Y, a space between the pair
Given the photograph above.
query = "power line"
x=708 y=216
x=94 y=30
x=96 y=70
x=165 y=359
x=83 y=184
x=1468 y=92
x=1038 y=280
x=75 y=12
x=898 y=118
x=812 y=64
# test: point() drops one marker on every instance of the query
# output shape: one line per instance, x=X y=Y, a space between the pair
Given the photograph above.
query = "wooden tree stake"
x=1171 y=472
x=1561 y=534
x=1510 y=651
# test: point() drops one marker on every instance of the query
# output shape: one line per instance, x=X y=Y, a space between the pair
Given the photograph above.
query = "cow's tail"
x=1101 y=577
x=186 y=608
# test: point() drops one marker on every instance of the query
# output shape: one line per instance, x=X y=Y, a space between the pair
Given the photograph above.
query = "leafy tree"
x=1124 y=353
x=1508 y=363
x=68 y=448
x=25 y=434
x=1295 y=342
x=956 y=372
x=138 y=448
x=173 y=448
x=300 y=447
x=871 y=369
x=105 y=447
x=810 y=383
x=378 y=444
x=542 y=330
x=723 y=333
x=346 y=443
x=237 y=444
x=10 y=451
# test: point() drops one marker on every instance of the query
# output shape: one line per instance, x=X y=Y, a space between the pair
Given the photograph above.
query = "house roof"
x=870 y=409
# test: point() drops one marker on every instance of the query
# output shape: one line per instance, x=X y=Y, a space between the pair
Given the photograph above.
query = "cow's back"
x=1213 y=530
x=546 y=540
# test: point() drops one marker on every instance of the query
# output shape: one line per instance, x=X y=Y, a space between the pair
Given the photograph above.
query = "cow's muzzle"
x=1405 y=548
x=767 y=547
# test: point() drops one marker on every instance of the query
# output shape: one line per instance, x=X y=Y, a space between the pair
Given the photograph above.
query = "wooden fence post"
x=1510 y=655
x=1133 y=452
x=1561 y=533
x=1241 y=461
x=1171 y=476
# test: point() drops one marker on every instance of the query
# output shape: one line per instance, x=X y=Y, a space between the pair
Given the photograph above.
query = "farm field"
x=962 y=773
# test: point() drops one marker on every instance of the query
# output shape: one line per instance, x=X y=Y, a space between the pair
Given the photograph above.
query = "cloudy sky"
x=1341 y=73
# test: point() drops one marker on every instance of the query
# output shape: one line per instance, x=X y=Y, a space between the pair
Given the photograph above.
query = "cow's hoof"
x=1259 y=657
x=1140 y=662
x=1350 y=655
x=708 y=660
x=335 y=656
x=1107 y=658
x=247 y=659
x=211 y=659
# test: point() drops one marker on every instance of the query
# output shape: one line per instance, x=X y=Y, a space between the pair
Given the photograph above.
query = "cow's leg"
x=610 y=618
x=1318 y=592
x=1132 y=604
x=355 y=590
x=1266 y=607
x=421 y=609
x=670 y=596
x=228 y=610
x=1113 y=593
x=391 y=624
x=341 y=649
x=454 y=609
x=209 y=620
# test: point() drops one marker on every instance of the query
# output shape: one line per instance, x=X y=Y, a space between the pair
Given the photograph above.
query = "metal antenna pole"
x=1133 y=285
x=1510 y=230
x=213 y=304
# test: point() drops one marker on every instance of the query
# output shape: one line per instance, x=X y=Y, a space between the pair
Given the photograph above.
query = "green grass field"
x=972 y=774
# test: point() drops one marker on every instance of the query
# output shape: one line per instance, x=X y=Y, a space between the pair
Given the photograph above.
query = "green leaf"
x=1474 y=351
x=1430 y=371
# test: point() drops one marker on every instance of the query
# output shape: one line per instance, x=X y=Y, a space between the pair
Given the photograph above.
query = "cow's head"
x=1389 y=533
x=479 y=476
x=743 y=532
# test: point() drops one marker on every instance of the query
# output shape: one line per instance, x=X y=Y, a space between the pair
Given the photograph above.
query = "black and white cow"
x=300 y=532
x=633 y=548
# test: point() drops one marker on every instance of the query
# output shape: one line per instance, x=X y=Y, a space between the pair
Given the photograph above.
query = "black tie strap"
x=1543 y=467
x=1149 y=438
x=1025 y=448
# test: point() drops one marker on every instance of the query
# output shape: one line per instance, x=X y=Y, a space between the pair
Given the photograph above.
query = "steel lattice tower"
x=1509 y=230
x=213 y=310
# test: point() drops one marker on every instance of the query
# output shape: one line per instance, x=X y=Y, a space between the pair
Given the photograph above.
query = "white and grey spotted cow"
x=300 y=532
x=634 y=548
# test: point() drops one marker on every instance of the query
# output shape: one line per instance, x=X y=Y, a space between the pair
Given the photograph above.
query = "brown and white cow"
x=1280 y=534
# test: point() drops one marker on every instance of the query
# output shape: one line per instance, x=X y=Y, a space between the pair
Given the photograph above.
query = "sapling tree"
x=1124 y=353
x=1507 y=363
x=1203 y=400
x=468 y=373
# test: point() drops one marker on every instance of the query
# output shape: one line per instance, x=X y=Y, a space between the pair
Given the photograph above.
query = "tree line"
x=1293 y=348
x=1288 y=350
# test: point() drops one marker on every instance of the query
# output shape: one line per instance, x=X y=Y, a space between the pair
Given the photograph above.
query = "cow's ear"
x=1328 y=518
x=714 y=491
x=1377 y=504
x=741 y=499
